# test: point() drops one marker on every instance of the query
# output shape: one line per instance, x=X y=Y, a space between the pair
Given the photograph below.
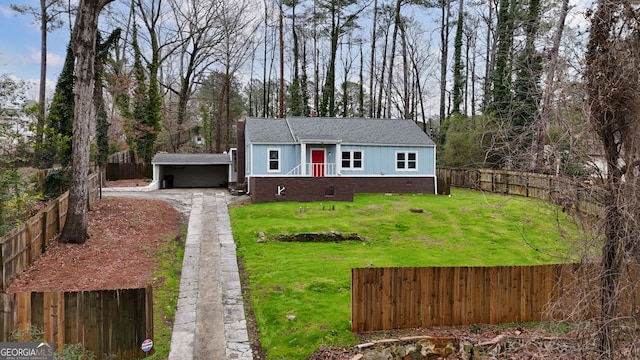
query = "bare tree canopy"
x=613 y=87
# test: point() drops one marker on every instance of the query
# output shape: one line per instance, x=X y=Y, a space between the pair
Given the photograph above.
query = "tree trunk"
x=420 y=97
x=281 y=88
x=444 y=41
x=328 y=105
x=265 y=80
x=227 y=109
x=84 y=43
x=42 y=91
x=392 y=55
x=372 y=99
x=382 y=70
x=361 y=87
x=458 y=81
x=405 y=71
x=612 y=86
x=489 y=56
x=549 y=87
x=304 y=85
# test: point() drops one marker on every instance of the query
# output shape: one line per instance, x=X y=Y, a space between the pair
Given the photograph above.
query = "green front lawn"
x=311 y=281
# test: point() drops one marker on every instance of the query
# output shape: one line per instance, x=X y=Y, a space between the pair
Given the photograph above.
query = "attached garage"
x=191 y=170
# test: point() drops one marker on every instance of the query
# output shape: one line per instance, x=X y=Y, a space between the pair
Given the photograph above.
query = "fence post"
x=506 y=183
x=59 y=218
x=28 y=227
x=149 y=311
x=493 y=182
x=4 y=277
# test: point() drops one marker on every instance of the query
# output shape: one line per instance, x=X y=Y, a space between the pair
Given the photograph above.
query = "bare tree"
x=199 y=32
x=419 y=56
x=397 y=24
x=237 y=28
x=613 y=88
x=83 y=41
x=48 y=17
x=372 y=65
x=341 y=17
x=384 y=28
x=444 y=53
x=470 y=67
x=549 y=87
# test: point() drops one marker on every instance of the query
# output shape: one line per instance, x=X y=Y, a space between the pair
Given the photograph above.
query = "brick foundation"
x=266 y=189
x=394 y=185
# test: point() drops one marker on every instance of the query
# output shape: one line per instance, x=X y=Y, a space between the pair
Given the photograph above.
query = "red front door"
x=317 y=162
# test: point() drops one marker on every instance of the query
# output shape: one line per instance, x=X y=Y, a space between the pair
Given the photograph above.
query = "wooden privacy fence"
x=107 y=322
x=561 y=191
x=394 y=298
x=22 y=245
x=126 y=165
x=123 y=171
x=125 y=156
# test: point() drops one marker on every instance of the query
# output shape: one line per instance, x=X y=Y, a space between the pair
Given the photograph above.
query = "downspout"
x=338 y=159
x=303 y=159
x=435 y=173
x=250 y=172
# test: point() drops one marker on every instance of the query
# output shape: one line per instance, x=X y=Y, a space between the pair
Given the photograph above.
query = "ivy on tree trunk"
x=83 y=40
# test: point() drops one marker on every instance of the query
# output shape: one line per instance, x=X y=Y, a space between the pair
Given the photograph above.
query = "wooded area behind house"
x=176 y=75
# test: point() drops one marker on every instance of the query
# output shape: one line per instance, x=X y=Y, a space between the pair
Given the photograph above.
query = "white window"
x=352 y=159
x=273 y=160
x=406 y=161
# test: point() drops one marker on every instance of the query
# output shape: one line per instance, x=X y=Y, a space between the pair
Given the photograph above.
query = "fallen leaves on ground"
x=125 y=236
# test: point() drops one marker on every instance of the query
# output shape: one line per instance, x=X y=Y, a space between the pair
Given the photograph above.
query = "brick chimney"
x=241 y=151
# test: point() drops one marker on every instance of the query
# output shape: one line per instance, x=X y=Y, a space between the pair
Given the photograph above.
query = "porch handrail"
x=296 y=171
x=314 y=169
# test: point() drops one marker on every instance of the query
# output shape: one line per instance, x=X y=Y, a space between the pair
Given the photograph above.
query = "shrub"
x=55 y=183
x=74 y=352
x=30 y=334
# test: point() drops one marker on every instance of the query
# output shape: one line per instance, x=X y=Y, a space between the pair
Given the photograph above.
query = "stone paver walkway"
x=209 y=321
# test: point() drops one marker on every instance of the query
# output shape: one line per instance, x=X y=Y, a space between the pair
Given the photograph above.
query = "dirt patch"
x=252 y=326
x=331 y=236
x=125 y=236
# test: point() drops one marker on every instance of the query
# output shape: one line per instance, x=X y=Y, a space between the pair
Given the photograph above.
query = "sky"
x=20 y=45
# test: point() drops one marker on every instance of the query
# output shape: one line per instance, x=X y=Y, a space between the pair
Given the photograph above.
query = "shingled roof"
x=332 y=130
x=190 y=159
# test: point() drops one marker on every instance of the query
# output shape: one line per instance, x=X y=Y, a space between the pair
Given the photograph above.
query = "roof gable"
x=262 y=130
x=344 y=130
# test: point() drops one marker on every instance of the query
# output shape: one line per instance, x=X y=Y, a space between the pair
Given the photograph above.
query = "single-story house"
x=192 y=170
x=314 y=159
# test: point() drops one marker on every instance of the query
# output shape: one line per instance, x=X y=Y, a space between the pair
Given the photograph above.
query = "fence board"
x=36 y=236
x=25 y=243
x=125 y=156
x=122 y=171
x=52 y=223
x=389 y=298
x=566 y=192
x=108 y=322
